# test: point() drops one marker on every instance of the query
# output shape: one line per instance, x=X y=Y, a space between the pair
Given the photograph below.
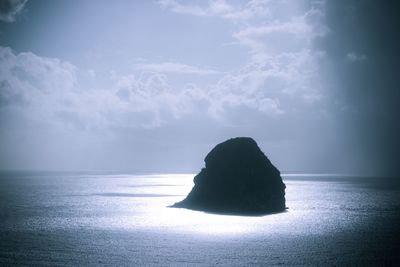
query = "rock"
x=237 y=178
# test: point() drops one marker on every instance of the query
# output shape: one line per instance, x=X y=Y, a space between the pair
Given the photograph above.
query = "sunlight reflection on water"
x=125 y=220
x=297 y=219
x=140 y=202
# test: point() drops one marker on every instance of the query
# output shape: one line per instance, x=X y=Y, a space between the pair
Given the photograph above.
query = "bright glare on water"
x=87 y=206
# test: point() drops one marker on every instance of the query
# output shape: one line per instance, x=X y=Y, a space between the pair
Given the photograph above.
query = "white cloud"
x=254 y=36
x=9 y=9
x=220 y=8
x=296 y=26
x=273 y=85
x=50 y=90
x=33 y=78
x=175 y=6
x=293 y=34
x=253 y=9
x=270 y=83
x=172 y=67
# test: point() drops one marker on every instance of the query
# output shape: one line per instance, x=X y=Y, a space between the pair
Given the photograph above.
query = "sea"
x=122 y=219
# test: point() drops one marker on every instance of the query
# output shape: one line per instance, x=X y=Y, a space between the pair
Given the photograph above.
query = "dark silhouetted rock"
x=237 y=178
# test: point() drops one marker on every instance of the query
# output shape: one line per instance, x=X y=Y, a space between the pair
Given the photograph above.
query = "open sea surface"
x=96 y=219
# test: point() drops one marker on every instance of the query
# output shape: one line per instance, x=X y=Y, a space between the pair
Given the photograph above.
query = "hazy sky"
x=154 y=85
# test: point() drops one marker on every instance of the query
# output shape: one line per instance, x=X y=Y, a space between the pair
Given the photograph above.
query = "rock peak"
x=237 y=178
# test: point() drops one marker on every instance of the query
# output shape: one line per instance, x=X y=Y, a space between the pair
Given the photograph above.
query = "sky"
x=155 y=85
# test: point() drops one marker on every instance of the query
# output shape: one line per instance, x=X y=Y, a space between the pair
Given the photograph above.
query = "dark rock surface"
x=238 y=178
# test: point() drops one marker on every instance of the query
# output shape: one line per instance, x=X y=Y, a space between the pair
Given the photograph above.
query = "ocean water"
x=96 y=219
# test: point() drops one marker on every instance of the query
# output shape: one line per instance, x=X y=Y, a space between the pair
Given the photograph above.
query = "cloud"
x=275 y=84
x=295 y=26
x=293 y=34
x=172 y=67
x=283 y=70
x=220 y=8
x=54 y=91
x=176 y=7
x=33 y=78
x=270 y=84
x=9 y=9
x=255 y=36
x=162 y=106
